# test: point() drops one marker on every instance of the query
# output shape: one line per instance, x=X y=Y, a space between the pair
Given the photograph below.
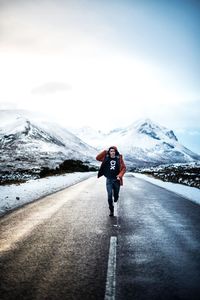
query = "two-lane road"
x=58 y=247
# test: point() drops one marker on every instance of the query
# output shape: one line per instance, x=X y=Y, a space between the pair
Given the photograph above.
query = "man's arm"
x=122 y=168
x=101 y=155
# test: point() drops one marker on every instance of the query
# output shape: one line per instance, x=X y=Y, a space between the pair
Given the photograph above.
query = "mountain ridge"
x=144 y=143
x=26 y=141
x=27 y=144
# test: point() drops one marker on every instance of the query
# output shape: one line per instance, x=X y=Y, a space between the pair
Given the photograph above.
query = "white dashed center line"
x=111 y=271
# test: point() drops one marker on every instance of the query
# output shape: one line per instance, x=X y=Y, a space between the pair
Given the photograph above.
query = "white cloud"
x=51 y=88
x=8 y=105
x=61 y=27
x=58 y=59
x=115 y=89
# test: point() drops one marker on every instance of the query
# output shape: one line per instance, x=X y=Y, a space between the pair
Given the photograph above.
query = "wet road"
x=158 y=253
x=59 y=247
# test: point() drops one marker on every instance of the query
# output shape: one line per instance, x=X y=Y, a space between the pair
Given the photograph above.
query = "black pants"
x=113 y=187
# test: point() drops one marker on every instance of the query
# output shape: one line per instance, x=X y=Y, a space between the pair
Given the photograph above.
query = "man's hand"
x=118 y=178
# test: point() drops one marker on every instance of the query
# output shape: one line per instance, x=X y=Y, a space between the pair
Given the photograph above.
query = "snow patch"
x=188 y=192
x=14 y=196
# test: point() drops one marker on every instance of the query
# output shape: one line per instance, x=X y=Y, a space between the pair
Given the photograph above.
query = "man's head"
x=113 y=151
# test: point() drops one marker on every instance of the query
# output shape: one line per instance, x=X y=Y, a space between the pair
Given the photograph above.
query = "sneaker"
x=111 y=214
x=115 y=200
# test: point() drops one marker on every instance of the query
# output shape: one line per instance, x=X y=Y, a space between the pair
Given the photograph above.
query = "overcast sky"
x=104 y=63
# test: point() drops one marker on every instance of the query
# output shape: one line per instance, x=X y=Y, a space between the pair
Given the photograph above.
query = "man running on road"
x=113 y=168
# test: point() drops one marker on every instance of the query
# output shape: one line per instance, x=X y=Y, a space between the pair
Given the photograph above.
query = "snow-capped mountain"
x=143 y=143
x=29 y=143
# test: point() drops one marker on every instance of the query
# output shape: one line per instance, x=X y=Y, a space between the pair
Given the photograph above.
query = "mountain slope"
x=29 y=144
x=144 y=143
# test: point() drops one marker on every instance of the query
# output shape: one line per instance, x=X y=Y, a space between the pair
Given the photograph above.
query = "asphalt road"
x=59 y=247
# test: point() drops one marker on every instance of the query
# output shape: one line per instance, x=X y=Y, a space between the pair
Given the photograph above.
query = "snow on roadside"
x=188 y=192
x=13 y=196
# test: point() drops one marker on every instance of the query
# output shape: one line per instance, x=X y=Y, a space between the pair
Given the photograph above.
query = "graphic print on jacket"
x=111 y=167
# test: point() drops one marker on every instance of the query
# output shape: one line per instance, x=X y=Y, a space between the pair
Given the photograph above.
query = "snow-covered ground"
x=13 y=196
x=188 y=192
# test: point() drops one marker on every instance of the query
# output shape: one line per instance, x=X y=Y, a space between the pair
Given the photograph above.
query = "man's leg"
x=116 y=188
x=109 y=187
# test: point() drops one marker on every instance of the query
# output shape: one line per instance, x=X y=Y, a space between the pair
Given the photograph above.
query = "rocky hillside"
x=27 y=146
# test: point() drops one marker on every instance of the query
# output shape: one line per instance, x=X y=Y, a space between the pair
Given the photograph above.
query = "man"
x=113 y=168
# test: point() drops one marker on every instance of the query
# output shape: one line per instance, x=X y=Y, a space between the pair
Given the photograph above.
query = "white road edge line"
x=116 y=205
x=111 y=271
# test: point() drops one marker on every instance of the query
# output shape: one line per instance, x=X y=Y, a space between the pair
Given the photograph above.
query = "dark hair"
x=116 y=151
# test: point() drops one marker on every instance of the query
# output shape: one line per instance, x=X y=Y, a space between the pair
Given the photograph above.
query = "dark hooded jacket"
x=103 y=156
